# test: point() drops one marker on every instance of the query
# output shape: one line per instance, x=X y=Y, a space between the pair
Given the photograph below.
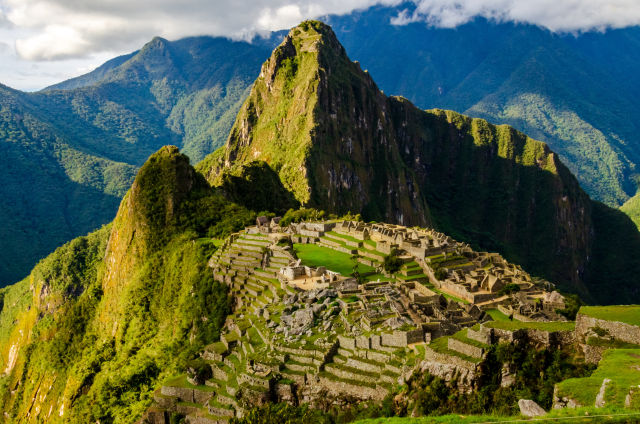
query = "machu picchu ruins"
x=301 y=332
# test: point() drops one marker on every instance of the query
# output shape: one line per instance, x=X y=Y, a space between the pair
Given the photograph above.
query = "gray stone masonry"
x=402 y=338
x=600 y=400
x=183 y=393
x=464 y=348
x=455 y=361
x=340 y=388
x=618 y=330
x=479 y=336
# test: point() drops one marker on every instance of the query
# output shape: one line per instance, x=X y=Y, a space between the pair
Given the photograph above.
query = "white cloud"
x=73 y=34
x=556 y=15
x=59 y=29
x=4 y=22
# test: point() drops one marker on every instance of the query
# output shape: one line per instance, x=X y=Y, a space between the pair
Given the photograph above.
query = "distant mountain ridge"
x=71 y=151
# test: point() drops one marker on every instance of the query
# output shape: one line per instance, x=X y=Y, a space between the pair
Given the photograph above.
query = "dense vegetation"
x=69 y=153
x=632 y=208
x=257 y=187
x=104 y=318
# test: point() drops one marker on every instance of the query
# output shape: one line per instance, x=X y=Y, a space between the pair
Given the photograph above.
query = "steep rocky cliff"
x=338 y=143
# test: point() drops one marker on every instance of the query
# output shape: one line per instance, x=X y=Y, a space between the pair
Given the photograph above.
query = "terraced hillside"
x=317 y=319
x=259 y=360
x=610 y=337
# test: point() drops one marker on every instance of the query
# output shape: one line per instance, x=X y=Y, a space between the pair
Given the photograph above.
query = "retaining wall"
x=619 y=330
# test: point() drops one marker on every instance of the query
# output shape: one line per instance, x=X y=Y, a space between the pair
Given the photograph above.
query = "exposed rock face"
x=338 y=143
x=451 y=372
x=508 y=378
x=600 y=400
x=529 y=408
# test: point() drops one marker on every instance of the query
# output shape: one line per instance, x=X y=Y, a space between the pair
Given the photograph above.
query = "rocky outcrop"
x=450 y=368
x=600 y=397
x=529 y=408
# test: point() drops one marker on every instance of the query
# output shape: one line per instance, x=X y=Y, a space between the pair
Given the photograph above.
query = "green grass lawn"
x=497 y=315
x=629 y=314
x=344 y=236
x=441 y=345
x=580 y=415
x=315 y=256
x=462 y=336
x=619 y=365
x=545 y=326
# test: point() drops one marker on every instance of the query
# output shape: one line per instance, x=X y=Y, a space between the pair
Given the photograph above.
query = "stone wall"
x=348 y=375
x=385 y=247
x=354 y=362
x=183 y=393
x=311 y=233
x=545 y=338
x=340 y=388
x=254 y=381
x=402 y=338
x=618 y=330
x=347 y=342
x=450 y=368
x=433 y=356
x=464 y=348
x=593 y=354
x=284 y=393
x=479 y=336
x=456 y=290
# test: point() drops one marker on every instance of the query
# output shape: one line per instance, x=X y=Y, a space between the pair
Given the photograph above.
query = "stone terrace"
x=301 y=334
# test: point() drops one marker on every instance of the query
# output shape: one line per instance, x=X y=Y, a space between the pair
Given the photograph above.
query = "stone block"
x=363 y=342
x=529 y=408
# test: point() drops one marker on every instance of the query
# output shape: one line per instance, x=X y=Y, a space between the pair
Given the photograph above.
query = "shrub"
x=440 y=273
x=392 y=263
x=199 y=371
x=509 y=289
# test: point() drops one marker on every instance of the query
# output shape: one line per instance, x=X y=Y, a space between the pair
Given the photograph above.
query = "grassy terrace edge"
x=628 y=314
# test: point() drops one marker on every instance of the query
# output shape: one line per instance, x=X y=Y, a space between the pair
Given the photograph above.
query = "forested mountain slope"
x=86 y=336
x=70 y=152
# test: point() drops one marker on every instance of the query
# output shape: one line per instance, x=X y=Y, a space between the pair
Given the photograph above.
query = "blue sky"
x=46 y=41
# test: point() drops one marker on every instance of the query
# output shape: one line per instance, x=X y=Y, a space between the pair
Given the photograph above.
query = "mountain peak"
x=338 y=143
x=311 y=38
x=152 y=207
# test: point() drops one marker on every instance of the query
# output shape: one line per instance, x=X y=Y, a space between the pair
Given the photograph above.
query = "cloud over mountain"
x=556 y=15
x=62 y=29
